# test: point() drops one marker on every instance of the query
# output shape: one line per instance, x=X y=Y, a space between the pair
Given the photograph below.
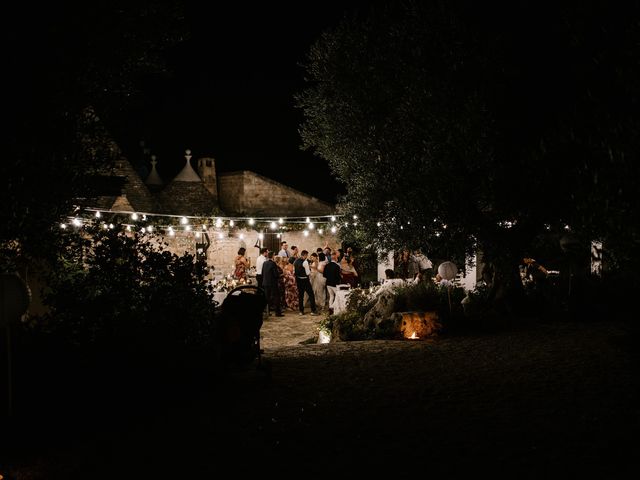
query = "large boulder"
x=417 y=324
x=382 y=310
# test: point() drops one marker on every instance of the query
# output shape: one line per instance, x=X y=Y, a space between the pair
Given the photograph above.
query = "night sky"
x=230 y=95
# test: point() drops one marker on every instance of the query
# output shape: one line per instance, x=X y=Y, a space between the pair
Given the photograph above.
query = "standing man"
x=284 y=253
x=332 y=274
x=259 y=262
x=302 y=272
x=294 y=254
x=270 y=275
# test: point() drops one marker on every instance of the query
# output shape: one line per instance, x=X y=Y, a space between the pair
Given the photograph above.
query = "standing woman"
x=241 y=265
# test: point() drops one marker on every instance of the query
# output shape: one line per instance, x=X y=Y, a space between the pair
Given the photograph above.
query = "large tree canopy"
x=71 y=70
x=458 y=126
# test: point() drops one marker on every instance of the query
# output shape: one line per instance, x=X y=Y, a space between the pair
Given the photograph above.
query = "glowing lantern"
x=448 y=270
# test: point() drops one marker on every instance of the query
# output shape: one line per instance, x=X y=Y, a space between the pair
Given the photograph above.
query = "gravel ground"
x=538 y=401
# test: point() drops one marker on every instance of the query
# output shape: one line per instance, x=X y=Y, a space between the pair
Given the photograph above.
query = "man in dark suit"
x=270 y=275
x=332 y=274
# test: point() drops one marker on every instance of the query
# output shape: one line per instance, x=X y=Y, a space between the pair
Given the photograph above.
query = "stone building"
x=206 y=196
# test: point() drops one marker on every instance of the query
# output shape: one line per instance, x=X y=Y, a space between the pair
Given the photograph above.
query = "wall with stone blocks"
x=250 y=193
x=222 y=251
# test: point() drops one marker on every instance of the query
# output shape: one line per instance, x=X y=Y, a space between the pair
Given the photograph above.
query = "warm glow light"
x=251 y=221
x=111 y=226
x=98 y=214
x=378 y=224
x=241 y=236
x=355 y=217
x=218 y=223
x=220 y=236
x=143 y=230
x=184 y=220
x=128 y=228
x=197 y=234
x=63 y=226
x=171 y=232
x=280 y=221
x=333 y=229
x=311 y=226
x=150 y=228
x=306 y=233
x=272 y=225
x=105 y=226
x=204 y=228
x=414 y=336
x=308 y=220
x=188 y=228
x=260 y=236
x=320 y=231
x=77 y=222
x=333 y=219
x=134 y=216
x=231 y=223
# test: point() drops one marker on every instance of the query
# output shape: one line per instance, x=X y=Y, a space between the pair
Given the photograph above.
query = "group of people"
x=292 y=279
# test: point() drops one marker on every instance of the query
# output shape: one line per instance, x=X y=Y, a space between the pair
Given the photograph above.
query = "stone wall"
x=248 y=193
x=222 y=251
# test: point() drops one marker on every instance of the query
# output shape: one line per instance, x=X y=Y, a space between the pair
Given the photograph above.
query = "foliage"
x=73 y=74
x=451 y=135
x=348 y=326
x=125 y=289
x=427 y=296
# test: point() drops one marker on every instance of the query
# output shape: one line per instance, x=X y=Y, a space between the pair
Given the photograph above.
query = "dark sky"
x=231 y=93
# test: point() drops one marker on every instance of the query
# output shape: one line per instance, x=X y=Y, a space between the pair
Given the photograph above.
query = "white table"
x=219 y=297
x=340 y=302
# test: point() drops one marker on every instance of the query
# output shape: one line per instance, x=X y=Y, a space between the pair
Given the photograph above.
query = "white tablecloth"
x=340 y=303
x=219 y=297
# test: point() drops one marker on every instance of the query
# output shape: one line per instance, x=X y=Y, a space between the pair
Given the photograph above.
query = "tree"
x=73 y=70
x=455 y=129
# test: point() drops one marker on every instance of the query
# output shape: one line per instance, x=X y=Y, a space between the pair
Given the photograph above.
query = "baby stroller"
x=238 y=325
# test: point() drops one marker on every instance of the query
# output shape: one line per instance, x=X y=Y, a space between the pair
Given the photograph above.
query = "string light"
x=311 y=226
x=128 y=228
x=134 y=216
x=105 y=226
x=251 y=221
x=98 y=214
x=320 y=231
x=77 y=222
x=273 y=225
x=333 y=218
x=261 y=236
x=172 y=232
x=280 y=220
x=308 y=220
x=63 y=226
x=231 y=223
x=111 y=226
x=143 y=230
x=218 y=223
x=306 y=233
x=333 y=229
x=188 y=228
x=220 y=236
x=241 y=236
x=150 y=228
x=184 y=220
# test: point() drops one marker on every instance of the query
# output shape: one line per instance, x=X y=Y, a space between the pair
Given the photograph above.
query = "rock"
x=382 y=310
x=422 y=324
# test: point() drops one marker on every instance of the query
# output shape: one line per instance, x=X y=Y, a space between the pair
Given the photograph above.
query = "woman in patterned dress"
x=291 y=288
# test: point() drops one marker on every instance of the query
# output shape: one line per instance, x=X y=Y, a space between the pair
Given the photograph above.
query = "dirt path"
x=543 y=401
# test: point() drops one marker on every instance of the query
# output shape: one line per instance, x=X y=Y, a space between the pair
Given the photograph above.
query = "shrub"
x=128 y=290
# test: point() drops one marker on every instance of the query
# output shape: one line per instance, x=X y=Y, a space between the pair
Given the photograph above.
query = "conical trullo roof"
x=187 y=174
x=154 y=178
x=187 y=195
